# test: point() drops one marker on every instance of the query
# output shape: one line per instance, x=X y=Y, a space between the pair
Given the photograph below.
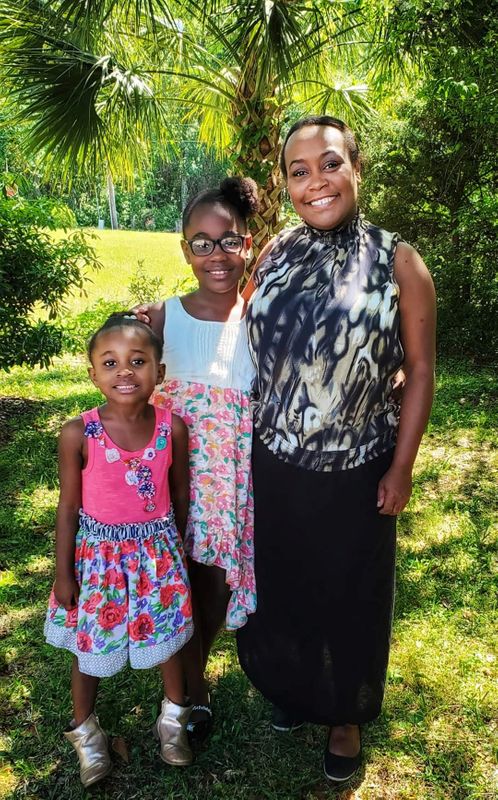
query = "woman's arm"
x=179 y=473
x=66 y=588
x=250 y=286
x=417 y=305
x=152 y=314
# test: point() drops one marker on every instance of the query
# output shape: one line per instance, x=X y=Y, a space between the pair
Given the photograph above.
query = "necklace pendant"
x=131 y=477
x=111 y=455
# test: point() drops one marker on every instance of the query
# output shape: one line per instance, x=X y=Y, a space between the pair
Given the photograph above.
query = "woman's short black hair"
x=333 y=122
x=239 y=194
x=124 y=319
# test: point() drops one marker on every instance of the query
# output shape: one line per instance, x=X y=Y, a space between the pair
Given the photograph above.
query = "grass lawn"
x=433 y=740
x=121 y=251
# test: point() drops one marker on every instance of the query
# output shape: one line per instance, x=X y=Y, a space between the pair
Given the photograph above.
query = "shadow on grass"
x=242 y=759
x=453 y=574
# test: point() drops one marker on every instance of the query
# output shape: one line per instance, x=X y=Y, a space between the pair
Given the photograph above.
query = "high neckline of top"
x=335 y=235
x=206 y=321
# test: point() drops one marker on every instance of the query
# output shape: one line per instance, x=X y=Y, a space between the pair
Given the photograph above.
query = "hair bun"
x=242 y=193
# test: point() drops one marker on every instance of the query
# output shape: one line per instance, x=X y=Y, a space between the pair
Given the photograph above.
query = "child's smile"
x=124 y=364
x=219 y=271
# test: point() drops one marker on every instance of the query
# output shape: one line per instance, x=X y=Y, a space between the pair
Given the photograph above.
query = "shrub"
x=78 y=328
x=143 y=287
x=36 y=271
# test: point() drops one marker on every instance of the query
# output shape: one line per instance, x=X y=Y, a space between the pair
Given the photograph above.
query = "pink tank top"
x=119 y=487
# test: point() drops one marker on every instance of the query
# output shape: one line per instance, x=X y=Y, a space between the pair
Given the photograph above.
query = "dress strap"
x=90 y=416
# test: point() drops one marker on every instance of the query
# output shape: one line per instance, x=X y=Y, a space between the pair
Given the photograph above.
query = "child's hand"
x=395 y=488
x=67 y=592
x=397 y=385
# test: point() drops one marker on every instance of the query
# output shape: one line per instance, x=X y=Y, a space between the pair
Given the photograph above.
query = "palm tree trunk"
x=257 y=153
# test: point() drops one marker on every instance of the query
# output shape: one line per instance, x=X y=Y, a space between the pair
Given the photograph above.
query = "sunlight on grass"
x=39 y=565
x=120 y=252
x=15 y=617
x=8 y=780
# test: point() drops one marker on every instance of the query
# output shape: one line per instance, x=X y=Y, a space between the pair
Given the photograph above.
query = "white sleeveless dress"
x=209 y=373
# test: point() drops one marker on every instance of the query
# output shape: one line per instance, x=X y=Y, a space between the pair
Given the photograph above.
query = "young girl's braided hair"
x=125 y=319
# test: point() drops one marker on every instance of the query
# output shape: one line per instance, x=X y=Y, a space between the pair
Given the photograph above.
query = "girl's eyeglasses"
x=202 y=246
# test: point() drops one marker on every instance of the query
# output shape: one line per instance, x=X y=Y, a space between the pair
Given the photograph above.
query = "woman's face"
x=322 y=181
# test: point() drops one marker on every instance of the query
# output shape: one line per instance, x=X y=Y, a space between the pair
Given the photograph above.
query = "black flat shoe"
x=341 y=768
x=200 y=722
x=283 y=722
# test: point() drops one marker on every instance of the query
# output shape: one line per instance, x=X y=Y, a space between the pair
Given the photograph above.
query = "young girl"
x=208 y=381
x=121 y=591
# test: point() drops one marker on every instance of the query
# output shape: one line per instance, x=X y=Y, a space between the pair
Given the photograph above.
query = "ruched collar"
x=335 y=236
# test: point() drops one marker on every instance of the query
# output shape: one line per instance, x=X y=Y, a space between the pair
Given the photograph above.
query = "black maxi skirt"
x=318 y=644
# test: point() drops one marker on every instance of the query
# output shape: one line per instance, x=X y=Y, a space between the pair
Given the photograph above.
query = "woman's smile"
x=321 y=180
x=323 y=202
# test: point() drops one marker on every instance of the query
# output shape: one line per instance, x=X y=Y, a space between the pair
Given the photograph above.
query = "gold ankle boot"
x=90 y=743
x=171 y=730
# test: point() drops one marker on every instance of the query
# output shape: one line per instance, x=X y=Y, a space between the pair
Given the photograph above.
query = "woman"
x=339 y=305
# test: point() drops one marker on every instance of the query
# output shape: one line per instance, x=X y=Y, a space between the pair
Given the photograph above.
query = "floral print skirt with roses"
x=220 y=528
x=134 y=603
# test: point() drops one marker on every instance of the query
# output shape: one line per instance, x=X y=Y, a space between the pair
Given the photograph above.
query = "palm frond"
x=337 y=97
x=97 y=12
x=85 y=109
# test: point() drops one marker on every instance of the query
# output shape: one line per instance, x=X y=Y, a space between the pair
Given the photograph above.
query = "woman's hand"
x=394 y=491
x=67 y=591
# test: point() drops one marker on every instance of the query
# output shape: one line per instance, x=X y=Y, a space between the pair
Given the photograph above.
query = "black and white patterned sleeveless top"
x=324 y=336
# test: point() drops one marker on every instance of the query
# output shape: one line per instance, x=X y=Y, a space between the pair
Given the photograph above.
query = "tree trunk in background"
x=112 y=202
x=258 y=120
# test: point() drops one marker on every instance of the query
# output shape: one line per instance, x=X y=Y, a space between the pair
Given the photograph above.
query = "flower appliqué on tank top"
x=138 y=474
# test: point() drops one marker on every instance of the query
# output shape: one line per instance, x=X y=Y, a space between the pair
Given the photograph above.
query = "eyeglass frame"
x=242 y=236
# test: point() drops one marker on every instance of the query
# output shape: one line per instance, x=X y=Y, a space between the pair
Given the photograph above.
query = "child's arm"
x=66 y=588
x=179 y=473
x=152 y=314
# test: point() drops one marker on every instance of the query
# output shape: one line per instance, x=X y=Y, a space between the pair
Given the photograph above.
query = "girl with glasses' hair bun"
x=240 y=194
x=209 y=374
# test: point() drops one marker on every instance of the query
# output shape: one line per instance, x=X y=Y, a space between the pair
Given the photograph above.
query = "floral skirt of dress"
x=221 y=515
x=134 y=602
